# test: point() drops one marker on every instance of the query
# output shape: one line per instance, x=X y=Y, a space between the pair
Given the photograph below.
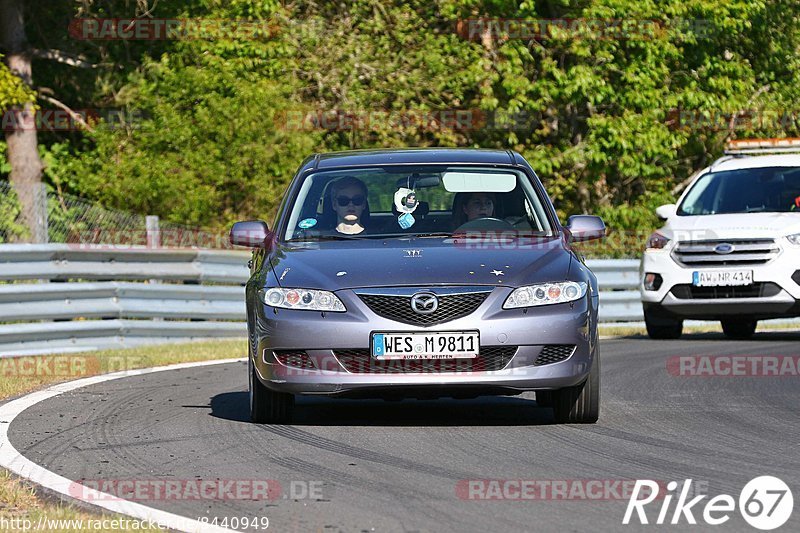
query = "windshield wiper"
x=430 y=234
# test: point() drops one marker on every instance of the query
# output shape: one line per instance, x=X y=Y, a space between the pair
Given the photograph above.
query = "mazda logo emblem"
x=424 y=303
x=724 y=248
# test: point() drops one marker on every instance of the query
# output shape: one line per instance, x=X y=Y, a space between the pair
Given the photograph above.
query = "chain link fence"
x=54 y=217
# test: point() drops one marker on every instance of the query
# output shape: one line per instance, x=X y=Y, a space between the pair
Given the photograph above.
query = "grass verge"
x=21 y=509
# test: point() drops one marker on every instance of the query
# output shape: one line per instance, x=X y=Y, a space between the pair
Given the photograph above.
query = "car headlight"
x=794 y=239
x=545 y=294
x=306 y=299
x=657 y=241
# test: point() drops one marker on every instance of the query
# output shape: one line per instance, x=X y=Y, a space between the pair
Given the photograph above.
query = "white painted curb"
x=14 y=461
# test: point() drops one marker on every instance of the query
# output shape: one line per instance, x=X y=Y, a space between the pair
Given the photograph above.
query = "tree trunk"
x=23 y=153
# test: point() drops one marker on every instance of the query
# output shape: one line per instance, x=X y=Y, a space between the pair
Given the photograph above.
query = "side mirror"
x=665 y=211
x=585 y=228
x=251 y=233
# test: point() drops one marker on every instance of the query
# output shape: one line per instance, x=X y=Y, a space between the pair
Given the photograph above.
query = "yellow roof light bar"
x=763 y=146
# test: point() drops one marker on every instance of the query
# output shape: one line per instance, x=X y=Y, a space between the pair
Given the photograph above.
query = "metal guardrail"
x=95 y=297
x=619 y=294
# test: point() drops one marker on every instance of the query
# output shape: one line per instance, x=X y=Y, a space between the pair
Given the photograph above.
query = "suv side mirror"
x=251 y=233
x=665 y=211
x=585 y=228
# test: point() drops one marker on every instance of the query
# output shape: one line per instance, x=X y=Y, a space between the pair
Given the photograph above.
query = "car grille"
x=491 y=358
x=756 y=290
x=294 y=359
x=398 y=308
x=702 y=254
x=554 y=353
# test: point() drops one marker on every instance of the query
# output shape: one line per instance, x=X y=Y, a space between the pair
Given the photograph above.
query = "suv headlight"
x=657 y=241
x=305 y=299
x=545 y=294
x=794 y=239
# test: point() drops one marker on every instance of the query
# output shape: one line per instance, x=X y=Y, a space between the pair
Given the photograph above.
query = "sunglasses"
x=344 y=201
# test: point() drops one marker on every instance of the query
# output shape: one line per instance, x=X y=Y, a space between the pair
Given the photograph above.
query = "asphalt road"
x=406 y=466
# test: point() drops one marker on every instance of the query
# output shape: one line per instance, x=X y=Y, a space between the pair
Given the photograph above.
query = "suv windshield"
x=751 y=190
x=391 y=202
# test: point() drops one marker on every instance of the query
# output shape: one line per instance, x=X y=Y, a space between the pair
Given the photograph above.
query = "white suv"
x=730 y=248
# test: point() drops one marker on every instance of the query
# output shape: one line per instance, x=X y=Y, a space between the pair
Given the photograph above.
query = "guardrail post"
x=40 y=229
x=153 y=232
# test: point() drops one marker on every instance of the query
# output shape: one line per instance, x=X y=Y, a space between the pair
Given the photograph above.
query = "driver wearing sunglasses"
x=349 y=197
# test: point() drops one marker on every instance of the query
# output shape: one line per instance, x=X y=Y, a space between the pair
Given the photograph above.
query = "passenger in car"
x=473 y=205
x=349 y=200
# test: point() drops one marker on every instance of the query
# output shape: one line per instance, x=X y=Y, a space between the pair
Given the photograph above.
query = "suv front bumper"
x=778 y=297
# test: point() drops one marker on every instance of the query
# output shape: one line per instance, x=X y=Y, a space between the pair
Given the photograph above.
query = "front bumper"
x=780 y=297
x=322 y=337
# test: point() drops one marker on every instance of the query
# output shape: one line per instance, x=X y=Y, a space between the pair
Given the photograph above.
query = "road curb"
x=14 y=461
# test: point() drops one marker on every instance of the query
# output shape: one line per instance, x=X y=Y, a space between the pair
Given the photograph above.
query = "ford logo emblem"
x=724 y=248
x=424 y=303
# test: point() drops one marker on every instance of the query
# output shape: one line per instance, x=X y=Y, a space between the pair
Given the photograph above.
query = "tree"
x=20 y=128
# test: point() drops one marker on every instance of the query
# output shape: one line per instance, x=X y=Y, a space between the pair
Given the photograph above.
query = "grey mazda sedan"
x=420 y=273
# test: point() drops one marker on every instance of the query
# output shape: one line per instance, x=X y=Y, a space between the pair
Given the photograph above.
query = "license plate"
x=722 y=278
x=446 y=345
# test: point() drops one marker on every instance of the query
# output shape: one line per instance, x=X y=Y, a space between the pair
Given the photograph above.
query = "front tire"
x=662 y=328
x=268 y=406
x=579 y=404
x=738 y=328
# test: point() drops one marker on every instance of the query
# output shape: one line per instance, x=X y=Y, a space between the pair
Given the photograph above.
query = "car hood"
x=732 y=226
x=417 y=262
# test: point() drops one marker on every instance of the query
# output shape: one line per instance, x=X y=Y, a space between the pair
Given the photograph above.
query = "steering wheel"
x=485 y=223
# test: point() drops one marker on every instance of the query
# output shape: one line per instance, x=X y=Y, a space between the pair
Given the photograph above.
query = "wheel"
x=662 y=328
x=737 y=328
x=579 y=404
x=268 y=406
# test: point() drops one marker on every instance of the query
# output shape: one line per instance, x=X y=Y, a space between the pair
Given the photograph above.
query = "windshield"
x=433 y=201
x=751 y=190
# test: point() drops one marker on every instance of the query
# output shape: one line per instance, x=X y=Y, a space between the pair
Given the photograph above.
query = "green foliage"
x=13 y=91
x=601 y=127
x=10 y=229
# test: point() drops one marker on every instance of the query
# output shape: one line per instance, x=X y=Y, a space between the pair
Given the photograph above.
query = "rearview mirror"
x=251 y=233
x=665 y=211
x=585 y=228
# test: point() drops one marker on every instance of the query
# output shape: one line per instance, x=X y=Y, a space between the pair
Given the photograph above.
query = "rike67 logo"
x=765 y=503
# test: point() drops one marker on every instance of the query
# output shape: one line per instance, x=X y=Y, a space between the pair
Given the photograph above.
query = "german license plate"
x=722 y=278
x=445 y=345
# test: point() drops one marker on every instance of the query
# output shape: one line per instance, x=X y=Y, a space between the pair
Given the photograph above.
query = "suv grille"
x=756 y=290
x=398 y=308
x=491 y=358
x=554 y=353
x=745 y=252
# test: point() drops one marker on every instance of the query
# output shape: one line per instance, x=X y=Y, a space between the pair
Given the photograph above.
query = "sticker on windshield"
x=406 y=220
x=307 y=223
